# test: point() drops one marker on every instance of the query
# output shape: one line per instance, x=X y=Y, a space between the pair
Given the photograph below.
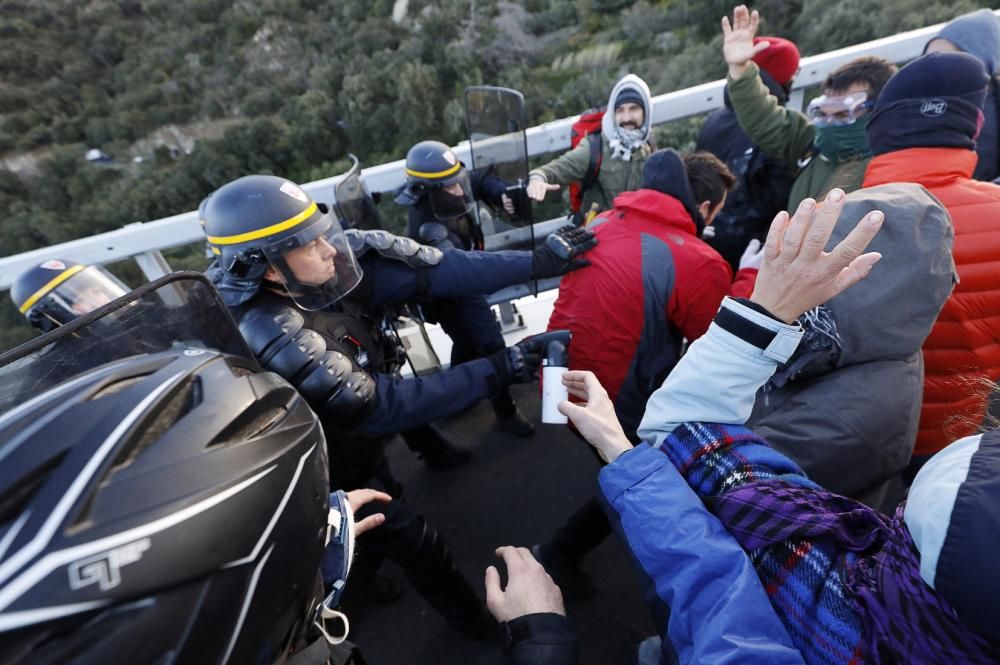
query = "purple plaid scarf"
x=905 y=620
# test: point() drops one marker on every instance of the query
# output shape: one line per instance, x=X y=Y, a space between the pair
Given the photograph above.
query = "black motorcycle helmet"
x=262 y=221
x=57 y=291
x=167 y=508
x=433 y=171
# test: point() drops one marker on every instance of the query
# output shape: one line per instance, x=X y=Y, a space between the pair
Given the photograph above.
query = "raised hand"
x=529 y=590
x=797 y=273
x=737 y=45
x=596 y=421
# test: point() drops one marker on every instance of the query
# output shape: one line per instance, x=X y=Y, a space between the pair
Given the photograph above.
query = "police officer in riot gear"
x=57 y=291
x=441 y=195
x=307 y=297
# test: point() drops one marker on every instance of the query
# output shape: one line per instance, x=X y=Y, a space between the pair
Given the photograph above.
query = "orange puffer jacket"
x=964 y=345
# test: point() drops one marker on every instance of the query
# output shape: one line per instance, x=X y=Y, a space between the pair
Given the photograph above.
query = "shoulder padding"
x=433 y=234
x=329 y=380
x=393 y=247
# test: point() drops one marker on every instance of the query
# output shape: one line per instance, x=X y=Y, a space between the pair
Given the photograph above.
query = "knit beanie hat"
x=780 y=59
x=665 y=172
x=952 y=514
x=936 y=101
x=978 y=34
x=630 y=95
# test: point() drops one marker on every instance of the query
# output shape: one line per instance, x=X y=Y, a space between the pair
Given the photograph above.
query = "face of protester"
x=708 y=212
x=630 y=115
x=311 y=264
x=854 y=89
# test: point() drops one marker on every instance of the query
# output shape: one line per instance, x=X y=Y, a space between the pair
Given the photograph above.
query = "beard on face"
x=628 y=124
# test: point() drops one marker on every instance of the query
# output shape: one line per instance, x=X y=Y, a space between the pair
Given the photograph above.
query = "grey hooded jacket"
x=846 y=406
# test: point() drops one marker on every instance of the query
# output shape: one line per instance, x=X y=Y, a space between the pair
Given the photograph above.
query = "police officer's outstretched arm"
x=455 y=273
x=337 y=388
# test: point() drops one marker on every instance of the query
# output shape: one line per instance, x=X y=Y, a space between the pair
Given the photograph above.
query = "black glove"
x=557 y=256
x=519 y=363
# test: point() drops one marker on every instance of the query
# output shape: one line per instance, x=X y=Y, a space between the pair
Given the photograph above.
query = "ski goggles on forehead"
x=829 y=110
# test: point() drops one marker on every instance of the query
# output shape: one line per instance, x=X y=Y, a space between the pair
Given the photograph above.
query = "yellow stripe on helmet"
x=52 y=283
x=440 y=174
x=266 y=231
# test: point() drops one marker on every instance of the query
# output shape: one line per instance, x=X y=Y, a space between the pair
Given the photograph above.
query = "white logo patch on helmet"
x=293 y=190
x=450 y=157
x=104 y=569
x=54 y=264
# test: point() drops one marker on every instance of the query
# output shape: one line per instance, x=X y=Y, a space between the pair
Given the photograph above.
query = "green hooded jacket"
x=788 y=135
x=616 y=176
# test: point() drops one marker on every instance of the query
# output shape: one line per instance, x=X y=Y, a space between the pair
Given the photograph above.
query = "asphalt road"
x=512 y=492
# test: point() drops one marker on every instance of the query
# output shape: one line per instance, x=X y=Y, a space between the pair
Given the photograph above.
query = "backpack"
x=587 y=126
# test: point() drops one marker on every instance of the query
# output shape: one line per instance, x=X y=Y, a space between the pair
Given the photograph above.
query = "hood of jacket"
x=655 y=206
x=890 y=314
x=978 y=34
x=608 y=125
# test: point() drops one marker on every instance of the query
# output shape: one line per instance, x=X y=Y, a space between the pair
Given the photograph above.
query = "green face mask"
x=844 y=143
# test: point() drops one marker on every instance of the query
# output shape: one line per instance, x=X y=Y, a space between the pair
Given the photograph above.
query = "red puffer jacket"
x=652 y=282
x=964 y=345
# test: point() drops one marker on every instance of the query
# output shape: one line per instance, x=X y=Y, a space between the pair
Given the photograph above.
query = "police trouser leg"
x=583 y=531
x=418 y=548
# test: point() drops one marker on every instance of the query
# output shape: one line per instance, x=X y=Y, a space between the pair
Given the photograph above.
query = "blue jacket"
x=719 y=611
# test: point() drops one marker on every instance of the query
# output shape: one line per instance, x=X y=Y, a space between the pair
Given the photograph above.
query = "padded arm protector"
x=330 y=380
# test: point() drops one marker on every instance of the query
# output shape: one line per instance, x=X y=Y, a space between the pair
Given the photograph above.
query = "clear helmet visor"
x=838 y=111
x=315 y=265
x=82 y=293
x=452 y=198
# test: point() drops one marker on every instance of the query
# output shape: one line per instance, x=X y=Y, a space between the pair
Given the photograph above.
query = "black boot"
x=509 y=417
x=437 y=451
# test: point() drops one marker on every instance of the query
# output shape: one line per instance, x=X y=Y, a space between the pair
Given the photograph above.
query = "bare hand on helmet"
x=520 y=363
x=557 y=256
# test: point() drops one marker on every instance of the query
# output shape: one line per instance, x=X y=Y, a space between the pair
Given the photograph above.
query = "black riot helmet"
x=171 y=507
x=433 y=171
x=263 y=222
x=57 y=291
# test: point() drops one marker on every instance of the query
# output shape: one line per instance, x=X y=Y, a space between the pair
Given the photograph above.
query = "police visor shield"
x=838 y=111
x=453 y=197
x=314 y=264
x=82 y=291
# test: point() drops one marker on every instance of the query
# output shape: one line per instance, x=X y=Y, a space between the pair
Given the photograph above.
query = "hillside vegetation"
x=185 y=95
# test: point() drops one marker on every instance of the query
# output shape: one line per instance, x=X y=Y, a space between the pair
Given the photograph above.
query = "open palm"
x=737 y=46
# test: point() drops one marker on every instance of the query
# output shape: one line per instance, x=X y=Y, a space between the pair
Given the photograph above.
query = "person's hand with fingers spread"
x=797 y=274
x=358 y=498
x=529 y=590
x=596 y=421
x=737 y=45
x=538 y=188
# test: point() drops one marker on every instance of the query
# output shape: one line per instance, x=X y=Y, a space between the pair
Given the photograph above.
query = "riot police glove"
x=519 y=363
x=558 y=254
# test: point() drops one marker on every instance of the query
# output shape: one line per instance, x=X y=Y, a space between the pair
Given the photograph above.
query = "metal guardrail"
x=143 y=241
